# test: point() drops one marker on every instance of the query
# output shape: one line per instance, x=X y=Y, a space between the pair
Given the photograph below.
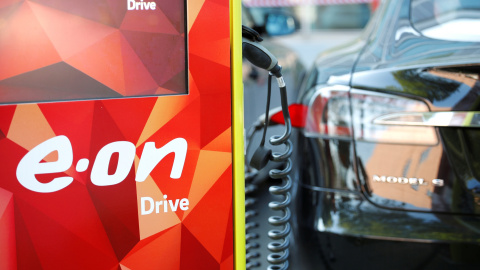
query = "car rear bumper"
x=341 y=230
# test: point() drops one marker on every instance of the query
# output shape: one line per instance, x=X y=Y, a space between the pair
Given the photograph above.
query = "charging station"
x=121 y=135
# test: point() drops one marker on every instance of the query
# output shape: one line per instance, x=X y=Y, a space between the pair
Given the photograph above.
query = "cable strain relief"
x=276 y=71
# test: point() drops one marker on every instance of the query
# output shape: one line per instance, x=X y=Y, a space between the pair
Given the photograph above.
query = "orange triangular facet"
x=215 y=50
x=8 y=245
x=162 y=252
x=164 y=110
x=210 y=166
x=222 y=143
x=194 y=8
x=29 y=127
x=152 y=22
x=151 y=222
x=24 y=45
x=6 y=3
x=103 y=62
x=69 y=33
x=209 y=220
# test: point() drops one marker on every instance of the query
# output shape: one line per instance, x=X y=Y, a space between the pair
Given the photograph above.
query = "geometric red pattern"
x=67 y=50
x=87 y=226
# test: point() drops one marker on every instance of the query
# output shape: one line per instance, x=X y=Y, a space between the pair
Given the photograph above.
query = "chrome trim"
x=438 y=182
x=281 y=82
x=431 y=119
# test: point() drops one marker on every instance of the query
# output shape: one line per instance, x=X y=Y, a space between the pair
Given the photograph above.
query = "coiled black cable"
x=278 y=259
x=251 y=246
x=261 y=57
x=279 y=248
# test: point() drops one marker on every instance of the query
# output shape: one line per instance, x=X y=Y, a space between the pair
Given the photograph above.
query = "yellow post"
x=238 y=136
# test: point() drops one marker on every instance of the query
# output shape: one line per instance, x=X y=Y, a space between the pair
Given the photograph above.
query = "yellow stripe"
x=238 y=136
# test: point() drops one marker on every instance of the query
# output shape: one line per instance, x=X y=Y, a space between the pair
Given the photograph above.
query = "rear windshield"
x=457 y=20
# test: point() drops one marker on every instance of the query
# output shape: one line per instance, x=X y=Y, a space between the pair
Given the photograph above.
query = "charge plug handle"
x=257 y=54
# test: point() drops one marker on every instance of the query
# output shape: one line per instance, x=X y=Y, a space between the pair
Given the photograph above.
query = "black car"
x=387 y=156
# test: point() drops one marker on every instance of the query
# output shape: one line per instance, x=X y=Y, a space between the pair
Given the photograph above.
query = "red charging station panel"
x=115 y=135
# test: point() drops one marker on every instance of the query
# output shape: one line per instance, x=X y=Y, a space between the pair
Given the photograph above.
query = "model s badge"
x=405 y=181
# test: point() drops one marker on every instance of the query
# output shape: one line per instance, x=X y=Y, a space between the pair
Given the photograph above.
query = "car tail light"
x=336 y=112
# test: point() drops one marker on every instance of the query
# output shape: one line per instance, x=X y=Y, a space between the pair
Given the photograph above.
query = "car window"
x=457 y=20
x=347 y=16
x=258 y=13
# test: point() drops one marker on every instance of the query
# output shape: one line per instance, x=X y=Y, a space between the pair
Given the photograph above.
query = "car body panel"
x=444 y=75
x=360 y=192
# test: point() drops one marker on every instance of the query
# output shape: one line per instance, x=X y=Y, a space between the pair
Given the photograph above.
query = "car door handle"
x=431 y=119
